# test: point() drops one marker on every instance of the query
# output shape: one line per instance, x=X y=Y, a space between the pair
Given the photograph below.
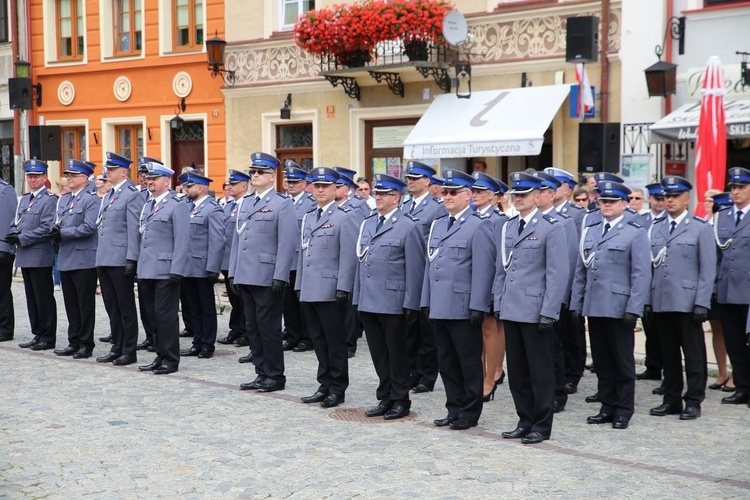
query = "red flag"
x=585 y=94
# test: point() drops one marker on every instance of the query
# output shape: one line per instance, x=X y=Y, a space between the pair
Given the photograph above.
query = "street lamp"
x=661 y=78
x=215 y=53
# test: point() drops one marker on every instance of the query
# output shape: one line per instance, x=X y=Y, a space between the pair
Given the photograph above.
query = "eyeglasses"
x=259 y=172
x=453 y=192
x=389 y=193
x=581 y=199
x=632 y=198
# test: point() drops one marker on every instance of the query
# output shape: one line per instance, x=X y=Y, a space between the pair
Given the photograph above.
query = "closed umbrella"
x=711 y=143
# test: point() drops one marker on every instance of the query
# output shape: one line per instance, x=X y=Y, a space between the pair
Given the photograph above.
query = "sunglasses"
x=632 y=198
x=259 y=172
x=453 y=192
x=581 y=199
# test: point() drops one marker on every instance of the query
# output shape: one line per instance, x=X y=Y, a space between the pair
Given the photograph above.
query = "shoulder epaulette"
x=344 y=209
x=3 y=183
x=550 y=219
x=374 y=212
x=574 y=206
x=213 y=202
x=52 y=195
x=562 y=215
x=441 y=217
x=635 y=224
x=592 y=211
x=593 y=222
x=313 y=209
x=512 y=218
x=700 y=219
x=481 y=216
x=438 y=200
x=358 y=197
x=285 y=196
x=630 y=210
x=248 y=195
x=410 y=216
x=727 y=207
x=133 y=188
x=659 y=219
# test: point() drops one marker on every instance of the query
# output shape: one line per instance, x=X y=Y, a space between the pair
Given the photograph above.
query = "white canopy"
x=681 y=125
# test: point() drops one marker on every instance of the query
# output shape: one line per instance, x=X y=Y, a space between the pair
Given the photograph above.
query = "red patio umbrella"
x=711 y=143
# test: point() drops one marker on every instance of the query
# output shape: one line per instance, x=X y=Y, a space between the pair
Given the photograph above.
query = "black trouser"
x=7 y=314
x=574 y=346
x=148 y=325
x=734 y=317
x=237 y=315
x=200 y=298
x=40 y=302
x=325 y=322
x=559 y=360
x=353 y=327
x=678 y=330
x=531 y=375
x=187 y=315
x=119 y=301
x=161 y=305
x=654 y=359
x=386 y=337
x=459 y=350
x=612 y=349
x=263 y=314
x=423 y=357
x=294 y=322
x=79 y=297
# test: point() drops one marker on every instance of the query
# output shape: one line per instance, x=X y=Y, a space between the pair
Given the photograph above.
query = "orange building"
x=115 y=72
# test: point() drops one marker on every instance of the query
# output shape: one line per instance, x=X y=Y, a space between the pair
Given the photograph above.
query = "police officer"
x=162 y=258
x=611 y=287
x=236 y=187
x=325 y=281
x=563 y=194
x=426 y=208
x=262 y=252
x=436 y=187
x=387 y=292
x=207 y=236
x=733 y=293
x=8 y=205
x=35 y=255
x=456 y=289
x=75 y=230
x=531 y=280
x=116 y=256
x=297 y=337
x=683 y=254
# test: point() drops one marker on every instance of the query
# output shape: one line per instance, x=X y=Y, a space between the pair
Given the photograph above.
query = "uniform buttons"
x=596 y=258
x=437 y=279
x=437 y=267
x=368 y=275
x=512 y=280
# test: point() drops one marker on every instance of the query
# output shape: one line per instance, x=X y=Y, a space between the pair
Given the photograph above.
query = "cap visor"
x=521 y=191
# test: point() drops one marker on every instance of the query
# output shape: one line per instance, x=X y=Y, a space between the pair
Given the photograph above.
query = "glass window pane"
x=65 y=30
x=199 y=35
x=182 y=16
x=198 y=14
x=65 y=47
x=69 y=139
x=125 y=138
x=80 y=46
x=123 y=44
x=79 y=8
x=82 y=140
x=138 y=40
x=182 y=2
x=182 y=37
x=79 y=26
x=291 y=14
x=64 y=8
x=308 y=5
x=137 y=20
x=137 y=5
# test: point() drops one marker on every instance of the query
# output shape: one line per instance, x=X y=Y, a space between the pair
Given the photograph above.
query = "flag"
x=586 y=94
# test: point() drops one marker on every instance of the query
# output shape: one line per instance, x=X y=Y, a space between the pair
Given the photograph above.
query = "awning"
x=681 y=125
x=509 y=122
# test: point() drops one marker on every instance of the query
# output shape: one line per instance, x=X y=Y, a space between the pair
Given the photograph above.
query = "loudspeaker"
x=19 y=90
x=582 y=39
x=44 y=142
x=598 y=147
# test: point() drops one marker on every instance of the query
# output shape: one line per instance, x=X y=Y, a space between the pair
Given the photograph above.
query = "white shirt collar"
x=560 y=206
x=161 y=196
x=459 y=214
x=528 y=218
x=389 y=214
x=744 y=210
x=328 y=206
x=612 y=223
x=117 y=187
x=679 y=218
x=38 y=191
x=298 y=197
x=485 y=210
x=264 y=193
x=549 y=210
x=198 y=202
x=419 y=200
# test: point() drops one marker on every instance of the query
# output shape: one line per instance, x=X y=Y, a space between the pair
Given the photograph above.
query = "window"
x=294 y=142
x=720 y=2
x=187 y=18
x=3 y=21
x=70 y=29
x=129 y=143
x=384 y=153
x=292 y=9
x=73 y=145
x=128 y=23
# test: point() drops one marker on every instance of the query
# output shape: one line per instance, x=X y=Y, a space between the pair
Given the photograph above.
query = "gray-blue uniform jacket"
x=618 y=276
x=531 y=275
x=684 y=271
x=8 y=205
x=327 y=258
x=264 y=242
x=734 y=266
x=305 y=203
x=574 y=212
x=206 y=239
x=460 y=266
x=118 y=222
x=231 y=209
x=34 y=219
x=571 y=239
x=648 y=219
x=77 y=220
x=391 y=265
x=426 y=212
x=358 y=205
x=165 y=240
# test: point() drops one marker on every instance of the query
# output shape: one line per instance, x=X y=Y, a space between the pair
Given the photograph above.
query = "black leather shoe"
x=648 y=375
x=303 y=347
x=442 y=422
x=621 y=422
x=241 y=341
x=143 y=345
x=68 y=351
x=351 y=354
x=591 y=368
x=516 y=433
x=738 y=398
x=557 y=407
x=380 y=410
x=82 y=353
x=229 y=339
x=691 y=412
x=461 y=425
x=534 y=437
x=42 y=346
x=247 y=358
x=659 y=391
x=124 y=361
x=193 y=351
x=253 y=386
x=288 y=345
x=107 y=358
x=420 y=388
x=399 y=410
x=150 y=367
x=332 y=400
x=271 y=385
x=665 y=409
x=601 y=418
x=186 y=334
x=205 y=354
x=151 y=348
x=593 y=399
x=108 y=338
x=6 y=338
x=165 y=370
x=30 y=343
x=316 y=398
x=570 y=388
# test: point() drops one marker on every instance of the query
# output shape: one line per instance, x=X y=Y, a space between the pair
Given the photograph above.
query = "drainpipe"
x=14 y=57
x=605 y=62
x=668 y=53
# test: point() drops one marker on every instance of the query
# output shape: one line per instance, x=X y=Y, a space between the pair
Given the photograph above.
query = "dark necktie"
x=672 y=225
x=232 y=204
x=320 y=214
x=739 y=218
x=31 y=198
x=451 y=222
x=607 y=227
x=521 y=225
x=257 y=199
x=153 y=205
x=381 y=220
x=413 y=206
x=192 y=206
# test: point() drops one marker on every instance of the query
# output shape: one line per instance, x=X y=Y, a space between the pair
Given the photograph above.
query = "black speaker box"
x=598 y=147
x=19 y=91
x=582 y=39
x=44 y=142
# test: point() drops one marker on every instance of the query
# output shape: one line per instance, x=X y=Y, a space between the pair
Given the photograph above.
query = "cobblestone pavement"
x=74 y=428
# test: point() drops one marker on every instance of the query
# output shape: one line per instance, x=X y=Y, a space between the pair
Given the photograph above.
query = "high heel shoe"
x=491 y=395
x=500 y=380
x=717 y=386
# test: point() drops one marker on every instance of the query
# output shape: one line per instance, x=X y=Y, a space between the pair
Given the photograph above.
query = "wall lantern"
x=661 y=78
x=215 y=53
